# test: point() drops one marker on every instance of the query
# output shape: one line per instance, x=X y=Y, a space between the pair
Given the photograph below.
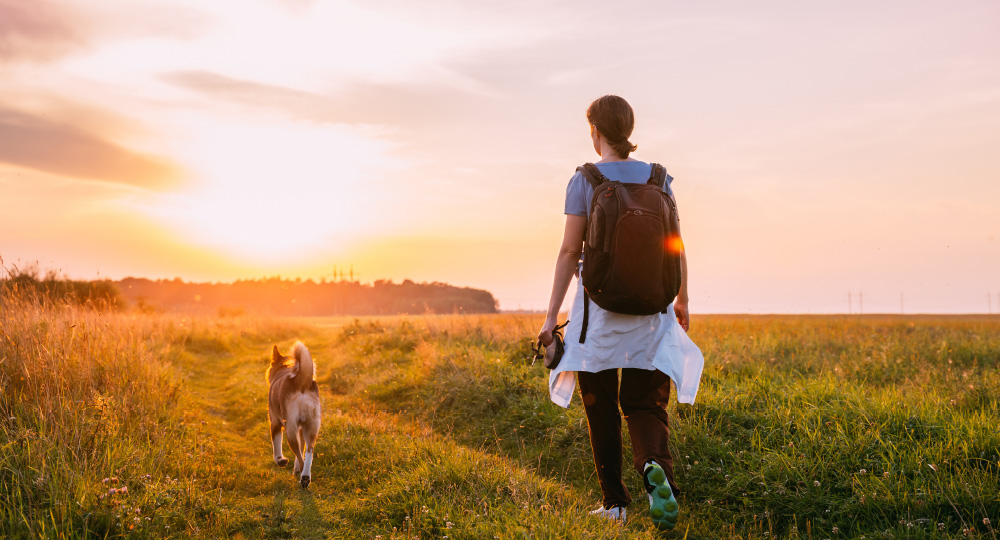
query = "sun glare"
x=264 y=191
x=674 y=244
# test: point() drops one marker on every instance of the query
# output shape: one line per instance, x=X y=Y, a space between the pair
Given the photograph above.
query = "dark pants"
x=643 y=395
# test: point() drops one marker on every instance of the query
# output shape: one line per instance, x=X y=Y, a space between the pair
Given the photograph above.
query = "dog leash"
x=539 y=350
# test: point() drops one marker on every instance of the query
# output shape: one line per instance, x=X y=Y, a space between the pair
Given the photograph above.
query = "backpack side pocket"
x=595 y=230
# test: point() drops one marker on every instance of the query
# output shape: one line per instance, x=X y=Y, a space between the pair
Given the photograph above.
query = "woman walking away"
x=641 y=329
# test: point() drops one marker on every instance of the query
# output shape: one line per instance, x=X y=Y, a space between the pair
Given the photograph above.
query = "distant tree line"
x=278 y=296
x=50 y=288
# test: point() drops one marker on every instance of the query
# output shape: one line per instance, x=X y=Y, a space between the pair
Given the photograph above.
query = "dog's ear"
x=275 y=355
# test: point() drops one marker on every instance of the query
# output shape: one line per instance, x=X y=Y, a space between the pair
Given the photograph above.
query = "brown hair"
x=613 y=118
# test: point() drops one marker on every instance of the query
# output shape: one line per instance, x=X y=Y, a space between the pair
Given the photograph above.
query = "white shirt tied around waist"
x=626 y=341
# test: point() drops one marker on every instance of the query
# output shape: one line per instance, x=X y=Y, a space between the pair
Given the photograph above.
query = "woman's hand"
x=545 y=334
x=681 y=311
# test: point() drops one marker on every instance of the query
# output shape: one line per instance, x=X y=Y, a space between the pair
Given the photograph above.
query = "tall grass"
x=875 y=427
x=93 y=439
x=53 y=289
x=148 y=425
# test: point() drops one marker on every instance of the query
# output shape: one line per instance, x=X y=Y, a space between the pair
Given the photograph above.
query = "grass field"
x=153 y=425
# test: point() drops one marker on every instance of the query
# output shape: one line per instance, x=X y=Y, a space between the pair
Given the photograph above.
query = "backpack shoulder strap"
x=657 y=175
x=592 y=174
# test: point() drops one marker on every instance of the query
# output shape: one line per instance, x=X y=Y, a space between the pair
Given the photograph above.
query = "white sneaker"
x=616 y=513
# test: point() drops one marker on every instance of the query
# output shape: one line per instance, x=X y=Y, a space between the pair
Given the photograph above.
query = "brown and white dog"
x=293 y=402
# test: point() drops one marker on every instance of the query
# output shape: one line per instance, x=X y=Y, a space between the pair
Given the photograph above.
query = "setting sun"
x=264 y=191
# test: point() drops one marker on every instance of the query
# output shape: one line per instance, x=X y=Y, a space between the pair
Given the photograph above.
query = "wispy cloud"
x=28 y=140
x=36 y=31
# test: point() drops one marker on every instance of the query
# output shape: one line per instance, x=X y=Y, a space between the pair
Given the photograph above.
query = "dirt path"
x=376 y=474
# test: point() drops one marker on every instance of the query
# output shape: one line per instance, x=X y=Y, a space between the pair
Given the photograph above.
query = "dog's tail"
x=304 y=368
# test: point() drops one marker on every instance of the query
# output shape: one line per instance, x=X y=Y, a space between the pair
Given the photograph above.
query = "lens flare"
x=674 y=244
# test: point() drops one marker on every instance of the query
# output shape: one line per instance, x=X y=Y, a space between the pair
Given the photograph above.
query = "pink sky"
x=817 y=149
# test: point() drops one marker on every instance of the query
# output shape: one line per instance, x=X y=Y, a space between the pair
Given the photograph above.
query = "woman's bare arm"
x=681 y=302
x=566 y=264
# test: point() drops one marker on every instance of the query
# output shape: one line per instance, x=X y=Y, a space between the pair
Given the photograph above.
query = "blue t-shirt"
x=579 y=192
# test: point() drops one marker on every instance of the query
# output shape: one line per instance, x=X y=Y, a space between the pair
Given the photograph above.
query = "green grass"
x=805 y=427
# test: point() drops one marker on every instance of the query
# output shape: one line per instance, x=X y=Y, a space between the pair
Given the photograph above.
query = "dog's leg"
x=292 y=430
x=280 y=459
x=309 y=433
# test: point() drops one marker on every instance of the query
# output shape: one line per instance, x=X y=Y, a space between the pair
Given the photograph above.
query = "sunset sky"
x=818 y=148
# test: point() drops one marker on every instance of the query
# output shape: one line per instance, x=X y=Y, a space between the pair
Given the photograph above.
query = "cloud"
x=298 y=104
x=35 y=31
x=31 y=141
x=358 y=103
x=42 y=31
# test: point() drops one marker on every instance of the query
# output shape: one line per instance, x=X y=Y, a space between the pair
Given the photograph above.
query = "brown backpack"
x=632 y=250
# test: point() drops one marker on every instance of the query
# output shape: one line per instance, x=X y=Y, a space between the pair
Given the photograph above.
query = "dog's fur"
x=293 y=402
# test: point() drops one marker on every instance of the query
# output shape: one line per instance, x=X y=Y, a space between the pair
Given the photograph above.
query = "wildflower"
x=449 y=525
x=113 y=491
x=885 y=474
x=835 y=530
x=123 y=490
x=105 y=481
x=986 y=521
x=816 y=483
x=965 y=532
x=940 y=526
x=863 y=471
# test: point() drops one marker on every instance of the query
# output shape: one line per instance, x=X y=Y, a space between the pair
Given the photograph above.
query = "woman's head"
x=612 y=117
